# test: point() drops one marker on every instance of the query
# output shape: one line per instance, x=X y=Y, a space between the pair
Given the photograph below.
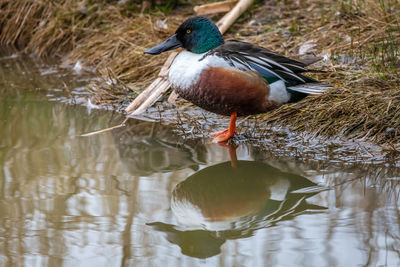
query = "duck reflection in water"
x=231 y=200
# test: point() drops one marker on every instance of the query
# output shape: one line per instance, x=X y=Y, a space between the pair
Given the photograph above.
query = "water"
x=144 y=196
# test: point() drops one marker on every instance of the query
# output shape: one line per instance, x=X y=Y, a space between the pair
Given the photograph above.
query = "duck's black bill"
x=169 y=44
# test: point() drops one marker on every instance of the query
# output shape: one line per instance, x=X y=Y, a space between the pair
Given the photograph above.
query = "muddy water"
x=144 y=196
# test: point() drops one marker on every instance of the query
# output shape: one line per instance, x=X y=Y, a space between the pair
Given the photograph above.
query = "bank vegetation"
x=359 y=40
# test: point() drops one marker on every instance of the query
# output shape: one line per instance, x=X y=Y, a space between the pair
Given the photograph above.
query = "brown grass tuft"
x=361 y=40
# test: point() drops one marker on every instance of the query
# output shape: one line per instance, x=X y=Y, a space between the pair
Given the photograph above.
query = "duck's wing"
x=270 y=65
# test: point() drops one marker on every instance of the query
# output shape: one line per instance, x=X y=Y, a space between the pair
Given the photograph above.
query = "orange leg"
x=223 y=135
x=232 y=153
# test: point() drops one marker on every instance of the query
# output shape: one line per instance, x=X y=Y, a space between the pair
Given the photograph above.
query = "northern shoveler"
x=231 y=77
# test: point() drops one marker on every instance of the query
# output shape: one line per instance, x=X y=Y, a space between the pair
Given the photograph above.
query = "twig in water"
x=122 y=124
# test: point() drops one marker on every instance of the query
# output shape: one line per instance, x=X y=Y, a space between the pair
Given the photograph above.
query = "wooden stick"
x=152 y=93
x=159 y=90
x=213 y=8
x=144 y=96
x=173 y=97
x=232 y=15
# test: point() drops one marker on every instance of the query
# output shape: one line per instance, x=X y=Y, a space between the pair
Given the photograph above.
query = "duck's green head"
x=197 y=35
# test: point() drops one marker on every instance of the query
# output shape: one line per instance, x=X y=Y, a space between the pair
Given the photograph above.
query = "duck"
x=232 y=77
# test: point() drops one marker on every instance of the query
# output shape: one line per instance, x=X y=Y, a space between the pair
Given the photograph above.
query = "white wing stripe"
x=295 y=76
x=297 y=66
x=258 y=61
x=262 y=63
x=269 y=70
x=270 y=61
x=261 y=66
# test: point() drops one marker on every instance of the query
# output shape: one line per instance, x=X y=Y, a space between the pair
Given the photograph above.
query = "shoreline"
x=111 y=38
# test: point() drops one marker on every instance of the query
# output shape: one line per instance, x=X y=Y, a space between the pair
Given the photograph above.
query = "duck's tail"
x=310 y=88
x=300 y=91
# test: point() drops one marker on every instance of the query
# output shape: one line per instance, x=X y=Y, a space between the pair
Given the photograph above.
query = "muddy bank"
x=359 y=41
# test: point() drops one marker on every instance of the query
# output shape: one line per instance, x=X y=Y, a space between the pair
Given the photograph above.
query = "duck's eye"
x=188 y=31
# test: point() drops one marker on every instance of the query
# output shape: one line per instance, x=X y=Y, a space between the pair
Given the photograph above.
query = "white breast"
x=187 y=67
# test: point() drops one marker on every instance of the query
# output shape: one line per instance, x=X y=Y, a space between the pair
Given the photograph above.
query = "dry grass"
x=372 y=111
x=121 y=47
x=366 y=30
x=99 y=34
x=43 y=27
x=361 y=39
